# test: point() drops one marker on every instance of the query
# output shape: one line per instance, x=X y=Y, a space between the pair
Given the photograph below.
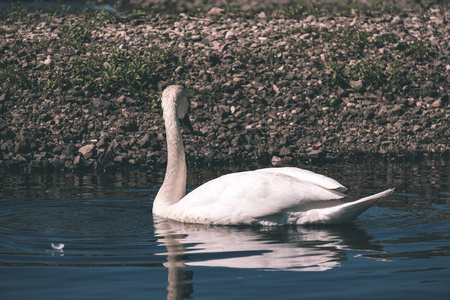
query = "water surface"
x=114 y=249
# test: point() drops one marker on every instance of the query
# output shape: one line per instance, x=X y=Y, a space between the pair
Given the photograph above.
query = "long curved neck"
x=174 y=185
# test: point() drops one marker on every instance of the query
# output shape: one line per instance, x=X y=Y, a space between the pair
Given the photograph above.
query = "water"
x=53 y=5
x=114 y=249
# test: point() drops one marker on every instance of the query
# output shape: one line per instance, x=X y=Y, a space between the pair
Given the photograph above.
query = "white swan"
x=270 y=196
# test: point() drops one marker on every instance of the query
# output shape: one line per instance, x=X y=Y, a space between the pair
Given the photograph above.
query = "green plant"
x=397 y=78
x=339 y=77
x=14 y=75
x=387 y=7
x=371 y=74
x=294 y=11
x=355 y=42
x=417 y=50
x=120 y=71
x=332 y=101
x=386 y=38
x=297 y=11
x=76 y=34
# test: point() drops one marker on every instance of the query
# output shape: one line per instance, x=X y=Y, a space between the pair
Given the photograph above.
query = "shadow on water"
x=105 y=223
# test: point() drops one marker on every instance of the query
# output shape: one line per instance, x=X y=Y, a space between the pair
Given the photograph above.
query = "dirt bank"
x=82 y=90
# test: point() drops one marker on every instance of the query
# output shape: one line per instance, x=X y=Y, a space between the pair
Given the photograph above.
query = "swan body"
x=271 y=196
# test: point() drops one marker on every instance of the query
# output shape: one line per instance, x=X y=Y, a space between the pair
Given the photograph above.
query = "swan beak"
x=186 y=124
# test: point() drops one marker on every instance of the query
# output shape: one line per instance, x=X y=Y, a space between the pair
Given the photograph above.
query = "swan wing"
x=243 y=198
x=308 y=176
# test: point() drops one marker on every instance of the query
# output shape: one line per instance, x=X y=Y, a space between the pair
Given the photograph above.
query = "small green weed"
x=385 y=39
x=121 y=71
x=13 y=75
x=76 y=34
x=417 y=50
x=298 y=11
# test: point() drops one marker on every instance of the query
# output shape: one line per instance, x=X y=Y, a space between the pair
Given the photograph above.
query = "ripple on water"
x=93 y=231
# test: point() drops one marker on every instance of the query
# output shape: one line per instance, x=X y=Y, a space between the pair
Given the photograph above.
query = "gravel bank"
x=82 y=90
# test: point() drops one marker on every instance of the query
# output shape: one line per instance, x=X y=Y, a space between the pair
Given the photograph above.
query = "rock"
x=262 y=15
x=145 y=141
x=121 y=99
x=437 y=103
x=70 y=150
x=315 y=153
x=284 y=151
x=58 y=149
x=356 y=85
x=86 y=149
x=103 y=142
x=276 y=160
x=215 y=11
x=230 y=35
x=78 y=160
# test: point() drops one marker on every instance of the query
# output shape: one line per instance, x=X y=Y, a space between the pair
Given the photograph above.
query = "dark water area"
x=114 y=249
x=52 y=5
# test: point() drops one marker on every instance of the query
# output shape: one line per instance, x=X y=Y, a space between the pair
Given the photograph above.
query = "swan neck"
x=174 y=185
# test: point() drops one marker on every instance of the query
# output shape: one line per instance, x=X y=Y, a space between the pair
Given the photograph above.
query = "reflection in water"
x=177 y=288
x=272 y=248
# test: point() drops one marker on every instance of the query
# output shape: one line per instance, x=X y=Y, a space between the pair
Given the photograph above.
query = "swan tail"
x=343 y=213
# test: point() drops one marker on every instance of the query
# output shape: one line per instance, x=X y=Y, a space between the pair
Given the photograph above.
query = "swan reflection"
x=272 y=248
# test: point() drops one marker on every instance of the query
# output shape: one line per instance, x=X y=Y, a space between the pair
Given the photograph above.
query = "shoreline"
x=80 y=91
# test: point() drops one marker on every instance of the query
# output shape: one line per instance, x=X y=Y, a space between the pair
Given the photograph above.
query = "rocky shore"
x=81 y=90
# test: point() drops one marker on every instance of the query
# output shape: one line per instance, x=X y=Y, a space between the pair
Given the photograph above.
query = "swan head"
x=175 y=100
x=175 y=97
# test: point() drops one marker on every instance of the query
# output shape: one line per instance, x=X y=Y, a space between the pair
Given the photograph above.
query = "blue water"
x=114 y=249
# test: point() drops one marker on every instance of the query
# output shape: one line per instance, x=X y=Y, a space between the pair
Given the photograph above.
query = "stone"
x=356 y=85
x=230 y=35
x=284 y=151
x=215 y=11
x=315 y=153
x=437 y=103
x=77 y=160
x=262 y=15
x=86 y=149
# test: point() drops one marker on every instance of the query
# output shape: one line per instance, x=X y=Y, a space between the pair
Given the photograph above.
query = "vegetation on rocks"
x=298 y=82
